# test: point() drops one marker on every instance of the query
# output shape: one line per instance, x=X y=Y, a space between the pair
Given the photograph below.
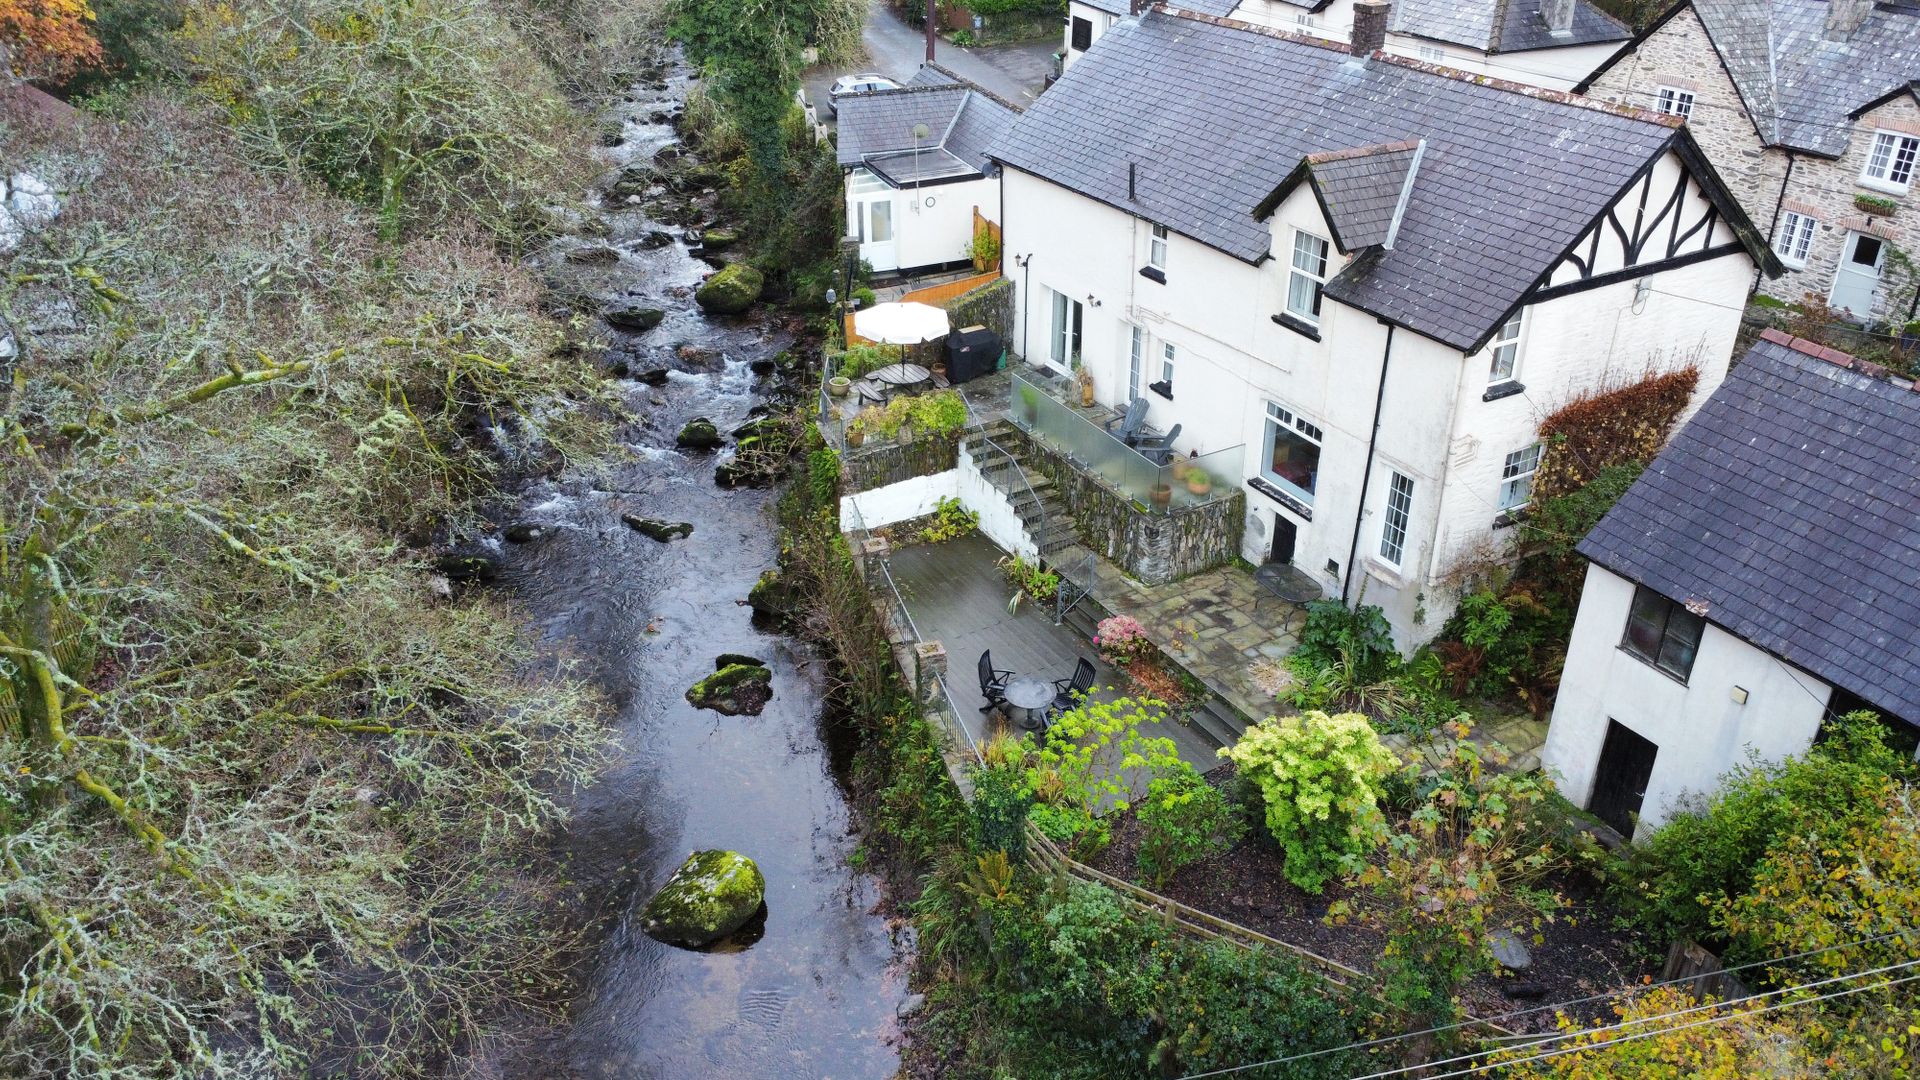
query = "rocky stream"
x=814 y=987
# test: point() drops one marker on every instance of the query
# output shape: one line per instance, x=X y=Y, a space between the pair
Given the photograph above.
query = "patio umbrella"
x=900 y=324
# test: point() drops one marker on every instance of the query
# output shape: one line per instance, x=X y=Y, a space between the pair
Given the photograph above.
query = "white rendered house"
x=917 y=170
x=1755 y=581
x=1378 y=300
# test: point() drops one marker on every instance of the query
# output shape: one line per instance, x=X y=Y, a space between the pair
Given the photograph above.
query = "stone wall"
x=990 y=306
x=1680 y=55
x=1152 y=548
x=880 y=462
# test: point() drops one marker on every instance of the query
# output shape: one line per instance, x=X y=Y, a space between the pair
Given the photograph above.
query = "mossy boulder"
x=719 y=239
x=699 y=434
x=662 y=531
x=713 y=894
x=735 y=690
x=634 y=320
x=730 y=291
x=728 y=659
x=773 y=596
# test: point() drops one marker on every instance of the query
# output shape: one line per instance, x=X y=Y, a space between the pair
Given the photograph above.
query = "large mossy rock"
x=730 y=291
x=773 y=596
x=699 y=434
x=719 y=239
x=735 y=690
x=658 y=529
x=713 y=894
x=636 y=320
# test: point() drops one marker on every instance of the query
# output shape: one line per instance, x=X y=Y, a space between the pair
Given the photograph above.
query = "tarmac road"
x=896 y=50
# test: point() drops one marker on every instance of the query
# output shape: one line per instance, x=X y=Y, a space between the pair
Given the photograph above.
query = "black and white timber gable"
x=1665 y=219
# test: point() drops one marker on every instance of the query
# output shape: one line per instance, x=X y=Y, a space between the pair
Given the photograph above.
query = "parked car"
x=863 y=83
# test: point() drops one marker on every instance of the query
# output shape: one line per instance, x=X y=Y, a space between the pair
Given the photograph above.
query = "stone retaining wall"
x=1152 y=548
x=880 y=462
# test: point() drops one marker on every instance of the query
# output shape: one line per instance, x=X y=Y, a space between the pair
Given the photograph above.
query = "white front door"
x=876 y=232
x=1063 y=345
x=1859 y=274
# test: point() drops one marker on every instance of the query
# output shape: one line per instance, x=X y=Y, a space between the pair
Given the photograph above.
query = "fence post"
x=929 y=667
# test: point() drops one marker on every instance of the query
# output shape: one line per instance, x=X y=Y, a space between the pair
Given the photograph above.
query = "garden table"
x=1030 y=694
x=902 y=376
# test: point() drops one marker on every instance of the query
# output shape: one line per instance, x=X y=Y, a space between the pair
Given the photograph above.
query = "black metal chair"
x=1068 y=692
x=993 y=682
x=1159 y=448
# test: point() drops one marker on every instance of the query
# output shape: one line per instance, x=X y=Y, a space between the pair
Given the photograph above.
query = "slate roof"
x=1799 y=87
x=1790 y=506
x=1510 y=177
x=959 y=118
x=1360 y=189
x=1501 y=26
x=1111 y=7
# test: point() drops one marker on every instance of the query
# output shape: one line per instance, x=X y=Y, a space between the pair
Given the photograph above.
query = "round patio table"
x=1031 y=694
x=902 y=376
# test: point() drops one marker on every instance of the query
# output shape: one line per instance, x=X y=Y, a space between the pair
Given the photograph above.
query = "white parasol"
x=900 y=324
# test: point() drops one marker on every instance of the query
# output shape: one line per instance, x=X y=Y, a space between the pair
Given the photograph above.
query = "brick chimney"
x=1558 y=15
x=1845 y=16
x=1369 y=27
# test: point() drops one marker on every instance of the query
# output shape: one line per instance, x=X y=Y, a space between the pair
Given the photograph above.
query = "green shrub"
x=951 y=520
x=823 y=475
x=865 y=297
x=1001 y=800
x=1226 y=1006
x=1708 y=858
x=1360 y=635
x=1321 y=778
x=1183 y=819
x=938 y=413
x=861 y=360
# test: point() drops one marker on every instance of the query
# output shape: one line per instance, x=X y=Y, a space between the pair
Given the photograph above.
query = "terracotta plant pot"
x=837 y=386
x=1161 y=494
x=1181 y=467
x=856 y=437
x=939 y=371
x=1199 y=482
x=1086 y=393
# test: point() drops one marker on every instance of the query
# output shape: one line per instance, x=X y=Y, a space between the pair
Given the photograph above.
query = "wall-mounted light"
x=1739 y=695
x=1091 y=302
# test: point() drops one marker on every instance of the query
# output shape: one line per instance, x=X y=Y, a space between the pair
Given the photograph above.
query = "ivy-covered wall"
x=1153 y=548
x=989 y=305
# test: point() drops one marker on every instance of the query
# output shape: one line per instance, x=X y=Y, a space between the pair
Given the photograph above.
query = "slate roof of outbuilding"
x=1800 y=88
x=1215 y=115
x=1501 y=26
x=959 y=117
x=1790 y=506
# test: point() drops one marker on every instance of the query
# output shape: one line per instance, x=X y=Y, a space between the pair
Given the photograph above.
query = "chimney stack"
x=1369 y=27
x=1845 y=16
x=1558 y=15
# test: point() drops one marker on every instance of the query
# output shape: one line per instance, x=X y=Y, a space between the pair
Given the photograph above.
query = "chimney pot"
x=1845 y=16
x=1369 y=27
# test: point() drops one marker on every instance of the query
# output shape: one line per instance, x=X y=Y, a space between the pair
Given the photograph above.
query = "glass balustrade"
x=1184 y=481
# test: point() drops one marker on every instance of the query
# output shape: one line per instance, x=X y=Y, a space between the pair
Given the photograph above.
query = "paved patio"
x=956 y=595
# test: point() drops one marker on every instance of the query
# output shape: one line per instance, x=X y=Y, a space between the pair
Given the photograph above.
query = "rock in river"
x=735 y=689
x=593 y=255
x=772 y=596
x=637 y=320
x=662 y=531
x=713 y=894
x=726 y=659
x=699 y=434
x=730 y=291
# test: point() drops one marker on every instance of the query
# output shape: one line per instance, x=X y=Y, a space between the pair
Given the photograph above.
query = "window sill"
x=1510 y=518
x=1505 y=389
x=1790 y=264
x=1164 y=389
x=1299 y=326
x=1885 y=186
x=1653 y=666
x=1272 y=491
x=1394 y=577
x=1153 y=273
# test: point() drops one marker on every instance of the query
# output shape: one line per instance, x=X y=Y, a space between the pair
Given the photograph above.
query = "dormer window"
x=1307 y=277
x=1674 y=102
x=1890 y=161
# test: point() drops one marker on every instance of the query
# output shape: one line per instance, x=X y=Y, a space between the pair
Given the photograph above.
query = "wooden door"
x=1620 y=782
x=1285 y=534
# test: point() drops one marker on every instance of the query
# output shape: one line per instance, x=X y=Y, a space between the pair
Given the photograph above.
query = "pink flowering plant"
x=1121 y=640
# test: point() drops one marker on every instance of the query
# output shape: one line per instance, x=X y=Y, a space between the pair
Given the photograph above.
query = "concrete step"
x=1217 y=721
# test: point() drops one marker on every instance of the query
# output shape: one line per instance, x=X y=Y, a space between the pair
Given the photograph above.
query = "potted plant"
x=1161 y=494
x=1876 y=204
x=1085 y=378
x=856 y=435
x=1182 y=466
x=1198 y=481
x=837 y=386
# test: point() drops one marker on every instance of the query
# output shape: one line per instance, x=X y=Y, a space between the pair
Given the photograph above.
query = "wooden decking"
x=956 y=595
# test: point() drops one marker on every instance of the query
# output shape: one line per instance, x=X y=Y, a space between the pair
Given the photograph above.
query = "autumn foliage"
x=47 y=39
x=1608 y=427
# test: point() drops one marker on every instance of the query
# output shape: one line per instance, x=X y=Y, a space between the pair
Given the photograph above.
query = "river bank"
x=814 y=990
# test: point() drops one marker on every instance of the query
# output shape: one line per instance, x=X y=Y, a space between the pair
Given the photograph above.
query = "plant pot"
x=838 y=385
x=1086 y=394
x=1199 y=482
x=856 y=437
x=1162 y=494
x=904 y=436
x=1181 y=467
x=939 y=371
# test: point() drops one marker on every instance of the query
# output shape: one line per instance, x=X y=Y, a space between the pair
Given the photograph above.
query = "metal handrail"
x=1019 y=471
